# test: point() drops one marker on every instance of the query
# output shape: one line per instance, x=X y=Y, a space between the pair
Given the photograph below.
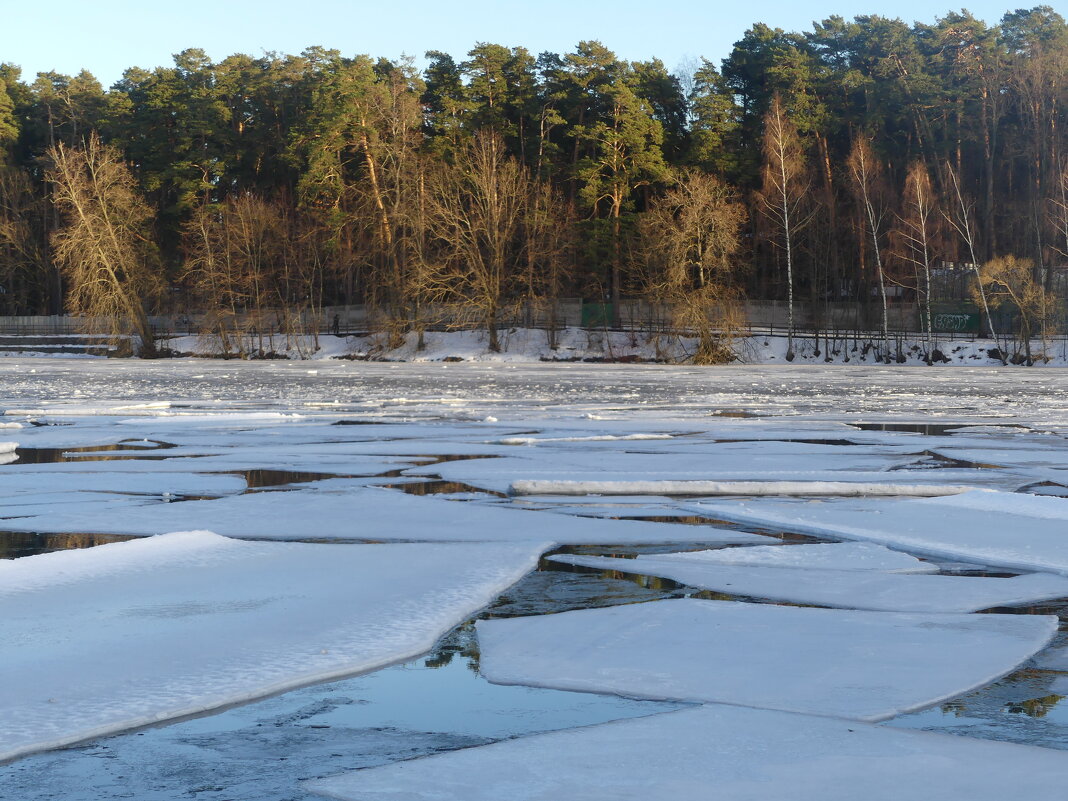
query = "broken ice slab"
x=827 y=556
x=849 y=489
x=336 y=509
x=718 y=752
x=846 y=589
x=1025 y=532
x=851 y=664
x=128 y=634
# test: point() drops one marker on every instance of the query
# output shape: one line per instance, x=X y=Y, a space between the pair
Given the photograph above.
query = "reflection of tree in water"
x=553 y=588
x=461 y=641
x=17 y=544
x=1028 y=681
x=1035 y=707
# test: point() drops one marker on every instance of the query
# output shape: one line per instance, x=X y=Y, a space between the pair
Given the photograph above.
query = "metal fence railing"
x=760 y=317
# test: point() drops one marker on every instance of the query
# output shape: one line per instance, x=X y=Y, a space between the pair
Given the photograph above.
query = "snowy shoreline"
x=523 y=345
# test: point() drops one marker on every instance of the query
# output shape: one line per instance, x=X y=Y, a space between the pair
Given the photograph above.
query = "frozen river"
x=388 y=542
x=435 y=390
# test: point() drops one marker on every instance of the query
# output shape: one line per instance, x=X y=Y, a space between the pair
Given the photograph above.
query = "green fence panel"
x=960 y=318
x=597 y=315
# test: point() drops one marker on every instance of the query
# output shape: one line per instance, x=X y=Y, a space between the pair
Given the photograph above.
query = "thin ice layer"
x=846 y=589
x=826 y=556
x=1025 y=532
x=99 y=640
x=860 y=665
x=338 y=510
x=849 y=489
x=719 y=752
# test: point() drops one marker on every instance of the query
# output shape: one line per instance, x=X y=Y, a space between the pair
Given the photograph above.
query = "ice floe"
x=828 y=556
x=123 y=635
x=853 y=489
x=719 y=752
x=336 y=509
x=847 y=589
x=851 y=664
x=1019 y=531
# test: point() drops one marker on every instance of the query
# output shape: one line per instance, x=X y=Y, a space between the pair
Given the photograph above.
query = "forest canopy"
x=842 y=163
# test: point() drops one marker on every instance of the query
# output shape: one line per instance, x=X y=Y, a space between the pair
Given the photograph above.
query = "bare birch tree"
x=916 y=233
x=864 y=172
x=783 y=194
x=960 y=219
x=103 y=244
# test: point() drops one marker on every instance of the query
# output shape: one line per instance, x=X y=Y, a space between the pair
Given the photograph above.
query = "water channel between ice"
x=438 y=702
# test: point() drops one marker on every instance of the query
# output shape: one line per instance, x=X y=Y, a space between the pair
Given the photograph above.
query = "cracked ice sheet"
x=678 y=462
x=337 y=509
x=1019 y=531
x=795 y=659
x=22 y=485
x=826 y=556
x=652 y=473
x=718 y=752
x=846 y=589
x=96 y=641
x=762 y=487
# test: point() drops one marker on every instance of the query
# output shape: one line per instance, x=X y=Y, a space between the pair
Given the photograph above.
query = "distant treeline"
x=842 y=163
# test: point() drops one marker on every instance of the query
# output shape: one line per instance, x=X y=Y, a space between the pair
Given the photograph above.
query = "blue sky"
x=106 y=36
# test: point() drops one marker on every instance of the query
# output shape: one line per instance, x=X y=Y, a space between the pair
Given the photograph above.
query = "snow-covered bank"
x=597 y=345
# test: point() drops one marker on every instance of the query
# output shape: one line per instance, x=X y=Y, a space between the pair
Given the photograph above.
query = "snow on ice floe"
x=1019 y=531
x=851 y=664
x=827 y=556
x=338 y=509
x=853 y=489
x=847 y=589
x=718 y=752
x=822 y=555
x=709 y=461
x=99 y=640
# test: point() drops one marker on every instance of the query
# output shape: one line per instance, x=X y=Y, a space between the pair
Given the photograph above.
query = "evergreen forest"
x=858 y=161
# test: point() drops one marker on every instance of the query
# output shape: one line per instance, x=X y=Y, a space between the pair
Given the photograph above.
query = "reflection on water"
x=440 y=487
x=259 y=478
x=1048 y=488
x=126 y=449
x=931 y=460
x=1024 y=707
x=927 y=429
x=16 y=544
x=261 y=751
